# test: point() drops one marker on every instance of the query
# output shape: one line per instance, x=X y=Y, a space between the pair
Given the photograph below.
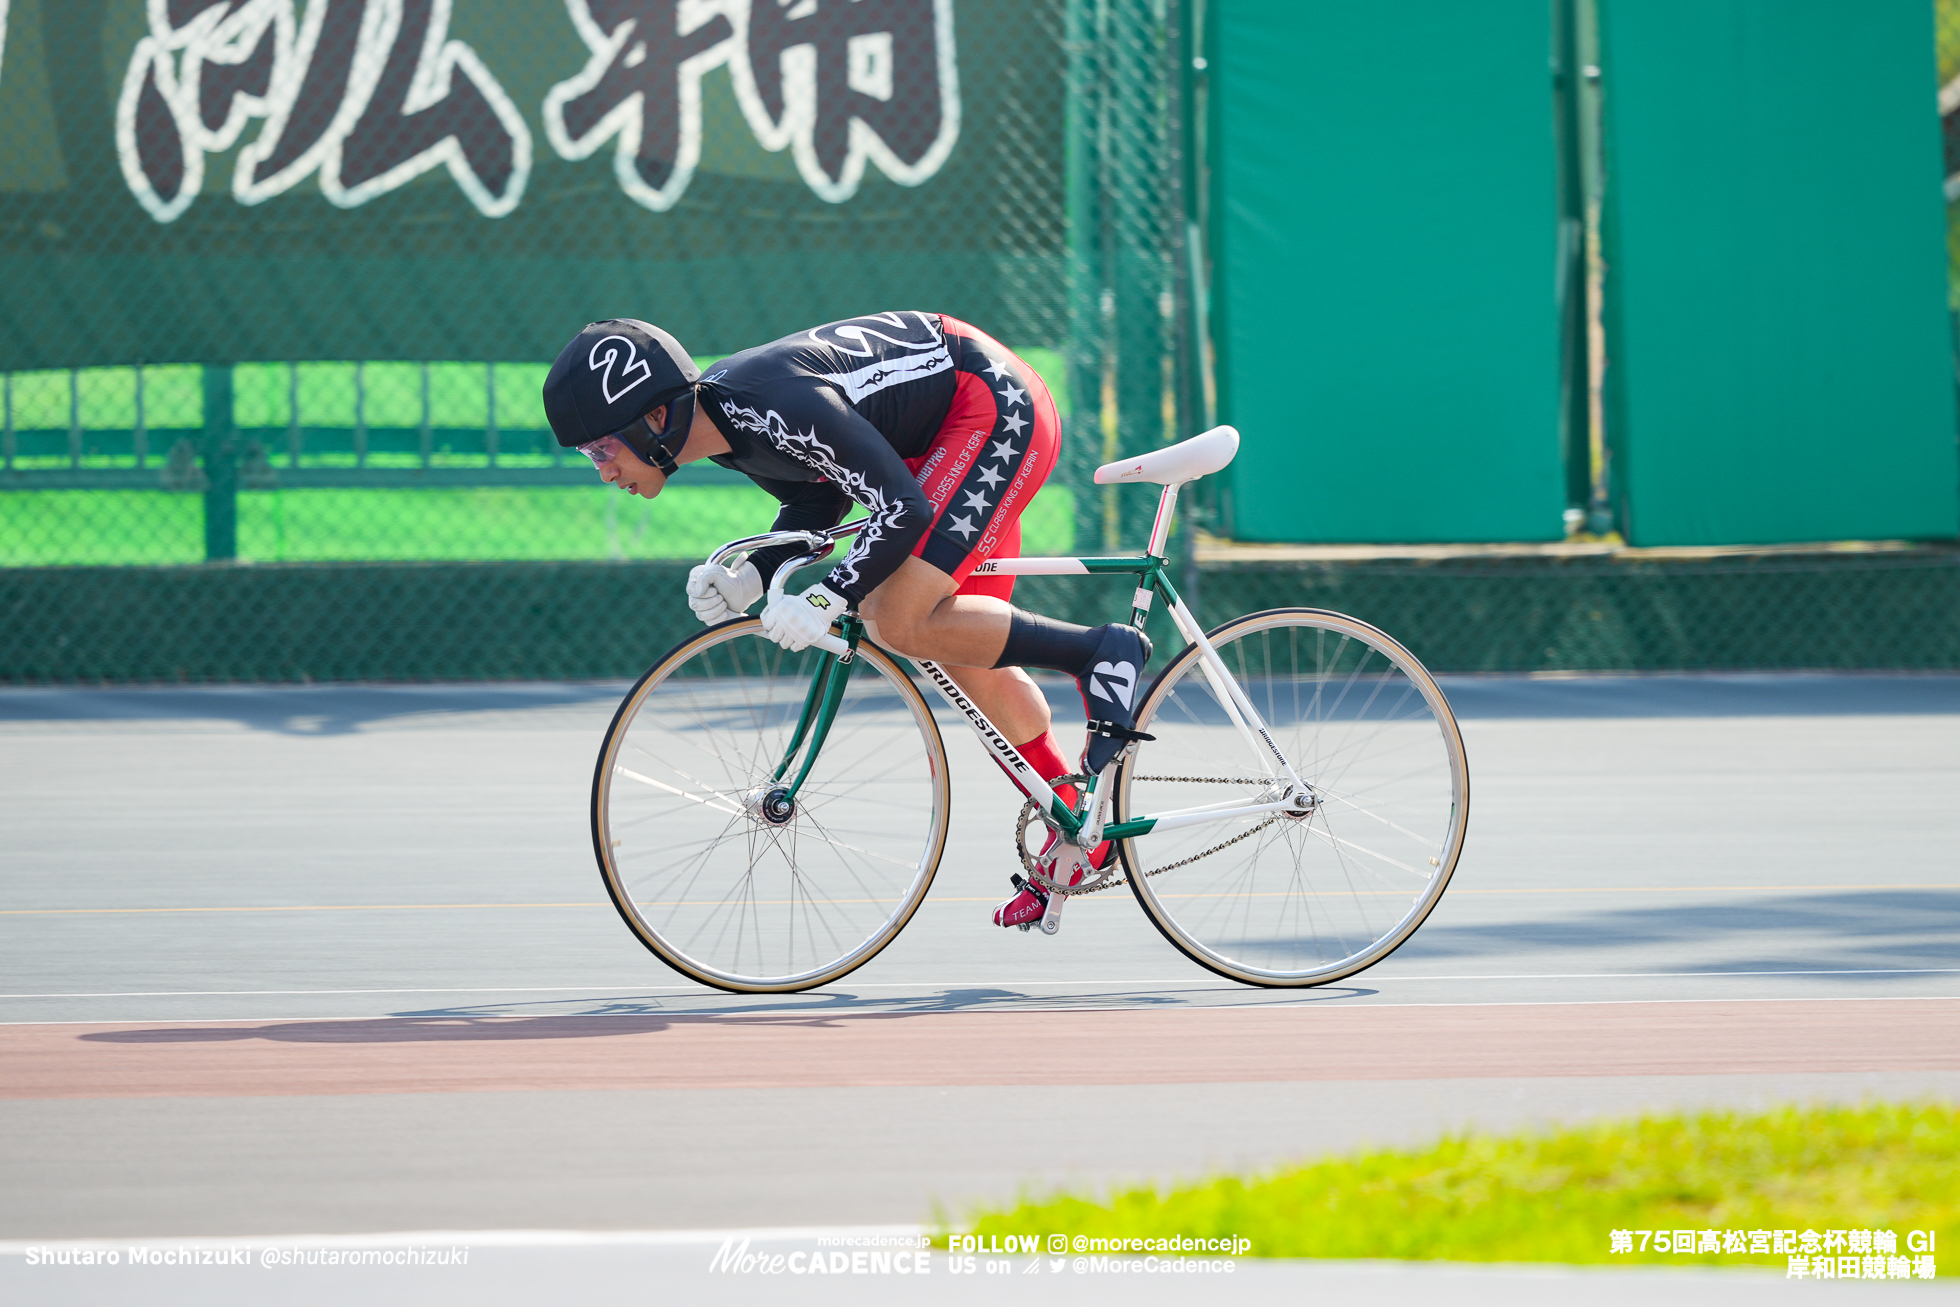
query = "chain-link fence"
x=282 y=277
x=344 y=621
x=354 y=461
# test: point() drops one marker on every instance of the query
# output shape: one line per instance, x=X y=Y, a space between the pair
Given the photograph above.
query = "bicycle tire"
x=1326 y=906
x=709 y=885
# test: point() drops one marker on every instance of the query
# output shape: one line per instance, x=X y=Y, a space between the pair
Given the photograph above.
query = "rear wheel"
x=710 y=866
x=1299 y=898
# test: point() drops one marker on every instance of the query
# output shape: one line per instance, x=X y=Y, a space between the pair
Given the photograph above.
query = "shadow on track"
x=1878 y=929
x=297 y=709
x=1716 y=694
x=598 y=1018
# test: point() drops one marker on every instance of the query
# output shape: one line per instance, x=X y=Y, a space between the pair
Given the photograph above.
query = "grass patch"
x=1555 y=1197
x=68 y=527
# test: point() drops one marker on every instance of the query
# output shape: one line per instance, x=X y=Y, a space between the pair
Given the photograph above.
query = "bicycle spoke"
x=1307 y=897
x=728 y=897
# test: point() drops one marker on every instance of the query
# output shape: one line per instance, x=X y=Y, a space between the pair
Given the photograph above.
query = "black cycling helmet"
x=612 y=374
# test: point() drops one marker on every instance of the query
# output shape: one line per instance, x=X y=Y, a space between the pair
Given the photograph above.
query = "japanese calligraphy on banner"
x=369 y=94
x=349 y=178
x=838 y=84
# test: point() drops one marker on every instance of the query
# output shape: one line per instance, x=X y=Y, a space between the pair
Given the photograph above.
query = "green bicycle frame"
x=833 y=673
x=820 y=704
x=1079 y=821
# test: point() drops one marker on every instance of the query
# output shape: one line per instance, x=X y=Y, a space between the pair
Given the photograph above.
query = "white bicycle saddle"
x=1187 y=460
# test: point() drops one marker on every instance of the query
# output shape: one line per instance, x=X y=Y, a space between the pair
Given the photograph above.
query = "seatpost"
x=1160 y=530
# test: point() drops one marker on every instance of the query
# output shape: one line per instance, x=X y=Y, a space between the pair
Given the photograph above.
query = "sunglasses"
x=603 y=450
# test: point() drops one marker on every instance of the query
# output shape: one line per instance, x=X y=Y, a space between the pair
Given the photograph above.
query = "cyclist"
x=941 y=434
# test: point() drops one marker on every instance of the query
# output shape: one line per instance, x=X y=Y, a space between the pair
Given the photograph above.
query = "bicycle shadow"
x=611 y=1018
x=393 y=1030
x=848 y=1003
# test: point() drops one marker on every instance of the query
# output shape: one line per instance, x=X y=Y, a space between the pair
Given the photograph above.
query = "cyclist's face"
x=618 y=465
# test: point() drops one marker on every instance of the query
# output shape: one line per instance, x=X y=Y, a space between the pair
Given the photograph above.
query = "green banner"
x=218 y=180
x=1780 y=351
x=1386 y=228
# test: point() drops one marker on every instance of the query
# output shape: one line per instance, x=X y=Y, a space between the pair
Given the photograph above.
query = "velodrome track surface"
x=332 y=960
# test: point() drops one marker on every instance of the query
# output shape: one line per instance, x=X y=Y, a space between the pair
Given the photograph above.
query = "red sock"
x=1044 y=754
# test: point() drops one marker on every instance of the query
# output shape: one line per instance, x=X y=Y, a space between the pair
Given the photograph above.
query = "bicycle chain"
x=1030 y=811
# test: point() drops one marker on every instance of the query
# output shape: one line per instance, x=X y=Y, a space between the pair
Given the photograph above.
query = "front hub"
x=777 y=806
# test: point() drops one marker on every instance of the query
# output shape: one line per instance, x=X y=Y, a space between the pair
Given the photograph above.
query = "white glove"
x=718 y=593
x=794 y=621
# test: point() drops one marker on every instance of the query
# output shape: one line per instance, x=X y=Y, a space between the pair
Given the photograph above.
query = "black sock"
x=1037 y=641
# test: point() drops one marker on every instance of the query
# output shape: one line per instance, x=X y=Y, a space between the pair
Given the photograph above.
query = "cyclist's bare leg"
x=920 y=617
x=1009 y=697
x=916 y=613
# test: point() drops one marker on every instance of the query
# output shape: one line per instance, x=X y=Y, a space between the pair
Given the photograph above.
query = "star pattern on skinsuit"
x=1003 y=449
x=963 y=525
x=1014 y=422
x=997 y=368
x=990 y=478
x=1013 y=396
x=974 y=499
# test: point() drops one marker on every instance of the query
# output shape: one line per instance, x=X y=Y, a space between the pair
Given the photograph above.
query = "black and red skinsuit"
x=937 y=429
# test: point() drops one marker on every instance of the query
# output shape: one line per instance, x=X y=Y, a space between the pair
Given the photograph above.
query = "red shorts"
x=993 y=452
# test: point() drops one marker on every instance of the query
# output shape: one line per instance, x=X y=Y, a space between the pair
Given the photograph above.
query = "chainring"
x=1032 y=816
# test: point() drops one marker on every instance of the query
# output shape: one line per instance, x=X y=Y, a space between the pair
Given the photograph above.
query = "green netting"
x=233 y=270
x=473 y=621
x=218 y=180
x=1839 y=611
x=366 y=419
x=69 y=527
x=324 y=362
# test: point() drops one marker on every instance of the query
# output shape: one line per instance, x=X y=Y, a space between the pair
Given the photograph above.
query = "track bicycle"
x=767 y=821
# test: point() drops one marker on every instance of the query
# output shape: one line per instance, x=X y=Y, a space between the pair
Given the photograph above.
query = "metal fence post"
x=139 y=436
x=74 y=417
x=293 y=437
x=1575 y=388
x=220 y=466
x=1083 y=445
x=1140 y=237
x=490 y=414
x=424 y=440
x=360 y=414
x=1186 y=54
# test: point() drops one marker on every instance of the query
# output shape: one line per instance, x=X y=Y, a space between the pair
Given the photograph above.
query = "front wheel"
x=1297 y=897
x=713 y=867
